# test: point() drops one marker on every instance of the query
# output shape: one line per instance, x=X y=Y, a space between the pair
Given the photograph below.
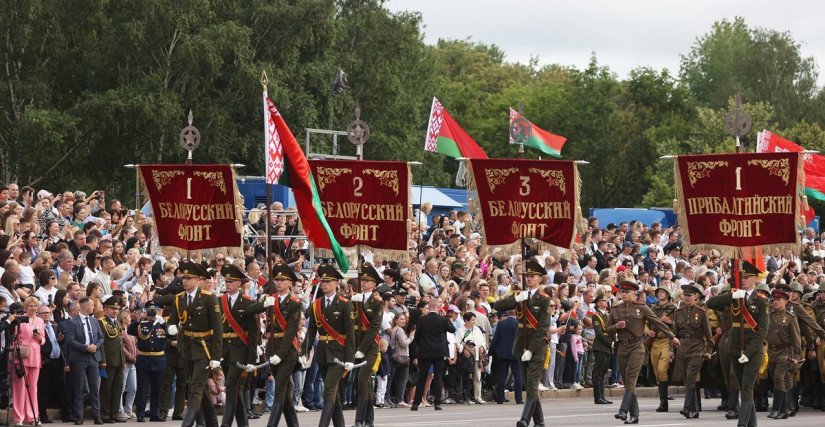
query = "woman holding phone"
x=26 y=357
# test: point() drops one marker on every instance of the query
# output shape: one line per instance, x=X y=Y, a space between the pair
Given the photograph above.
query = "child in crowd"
x=217 y=391
x=577 y=351
x=381 y=375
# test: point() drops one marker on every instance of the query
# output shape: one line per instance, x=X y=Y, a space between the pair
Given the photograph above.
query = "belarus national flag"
x=445 y=136
x=299 y=178
x=813 y=164
x=540 y=139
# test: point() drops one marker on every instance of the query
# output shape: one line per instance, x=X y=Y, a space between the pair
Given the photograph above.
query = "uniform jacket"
x=244 y=311
x=339 y=317
x=151 y=338
x=283 y=346
x=528 y=338
x=602 y=341
x=202 y=316
x=691 y=326
x=112 y=343
x=373 y=311
x=758 y=307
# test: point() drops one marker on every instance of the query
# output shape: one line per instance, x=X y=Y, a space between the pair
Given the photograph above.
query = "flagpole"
x=264 y=83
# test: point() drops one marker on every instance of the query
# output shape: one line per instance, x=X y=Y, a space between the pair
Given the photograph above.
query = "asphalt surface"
x=578 y=412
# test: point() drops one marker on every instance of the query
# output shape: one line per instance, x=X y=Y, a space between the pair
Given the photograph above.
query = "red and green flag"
x=298 y=177
x=813 y=164
x=445 y=136
x=540 y=139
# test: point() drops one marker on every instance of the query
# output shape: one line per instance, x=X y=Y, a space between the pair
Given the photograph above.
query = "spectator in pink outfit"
x=577 y=351
x=30 y=336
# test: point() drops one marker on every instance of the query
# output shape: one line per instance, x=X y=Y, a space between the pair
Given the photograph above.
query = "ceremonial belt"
x=779 y=346
x=151 y=353
x=316 y=308
x=278 y=334
x=196 y=334
x=737 y=324
x=230 y=335
x=279 y=317
x=325 y=338
x=525 y=325
x=365 y=323
x=232 y=322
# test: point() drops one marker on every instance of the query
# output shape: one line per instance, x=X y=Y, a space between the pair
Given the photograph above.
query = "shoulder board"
x=341 y=298
x=247 y=297
x=702 y=307
x=181 y=294
x=543 y=295
x=206 y=292
x=790 y=314
x=294 y=299
x=758 y=295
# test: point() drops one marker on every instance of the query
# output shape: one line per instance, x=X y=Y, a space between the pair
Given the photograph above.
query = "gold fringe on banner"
x=197 y=255
x=737 y=251
x=515 y=247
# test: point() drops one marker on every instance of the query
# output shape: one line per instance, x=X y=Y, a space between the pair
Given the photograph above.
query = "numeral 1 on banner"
x=739 y=177
x=188 y=188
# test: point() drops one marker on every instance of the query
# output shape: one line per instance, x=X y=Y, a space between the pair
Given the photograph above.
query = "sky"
x=624 y=34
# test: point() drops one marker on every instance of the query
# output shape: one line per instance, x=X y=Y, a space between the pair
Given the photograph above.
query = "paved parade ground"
x=573 y=412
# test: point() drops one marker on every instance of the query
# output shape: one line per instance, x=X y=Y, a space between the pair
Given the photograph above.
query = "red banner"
x=194 y=206
x=365 y=202
x=731 y=201
x=527 y=199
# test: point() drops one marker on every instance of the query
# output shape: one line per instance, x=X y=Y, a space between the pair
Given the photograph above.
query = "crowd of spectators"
x=56 y=250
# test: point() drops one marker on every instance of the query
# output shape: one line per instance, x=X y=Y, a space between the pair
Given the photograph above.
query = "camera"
x=151 y=312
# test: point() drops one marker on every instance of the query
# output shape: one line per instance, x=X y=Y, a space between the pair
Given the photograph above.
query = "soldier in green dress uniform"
x=530 y=345
x=283 y=322
x=627 y=324
x=240 y=341
x=111 y=386
x=691 y=326
x=330 y=318
x=811 y=332
x=745 y=362
x=368 y=311
x=196 y=317
x=602 y=348
x=784 y=351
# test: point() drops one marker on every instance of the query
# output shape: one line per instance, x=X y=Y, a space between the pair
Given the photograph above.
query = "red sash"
x=319 y=317
x=232 y=322
x=746 y=315
x=365 y=323
x=531 y=319
x=279 y=317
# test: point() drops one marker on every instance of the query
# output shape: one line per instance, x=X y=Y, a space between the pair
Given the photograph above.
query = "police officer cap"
x=113 y=301
x=328 y=272
x=283 y=272
x=692 y=288
x=627 y=285
x=189 y=269
x=533 y=267
x=779 y=293
x=369 y=274
x=231 y=273
x=763 y=287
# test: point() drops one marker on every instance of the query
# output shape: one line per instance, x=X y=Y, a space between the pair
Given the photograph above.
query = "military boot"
x=663 y=406
x=633 y=413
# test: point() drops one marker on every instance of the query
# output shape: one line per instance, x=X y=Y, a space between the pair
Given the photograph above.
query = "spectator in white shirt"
x=470 y=332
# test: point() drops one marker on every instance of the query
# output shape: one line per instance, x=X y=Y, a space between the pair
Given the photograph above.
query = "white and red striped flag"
x=273 y=150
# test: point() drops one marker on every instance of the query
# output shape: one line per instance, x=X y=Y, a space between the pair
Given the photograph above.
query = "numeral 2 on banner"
x=358 y=182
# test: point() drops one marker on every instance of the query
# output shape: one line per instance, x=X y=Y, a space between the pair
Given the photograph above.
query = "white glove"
x=359 y=354
x=526 y=356
x=173 y=330
x=522 y=296
x=159 y=320
x=304 y=361
x=214 y=364
x=260 y=351
x=274 y=360
x=739 y=293
x=249 y=367
x=357 y=298
x=348 y=366
x=269 y=302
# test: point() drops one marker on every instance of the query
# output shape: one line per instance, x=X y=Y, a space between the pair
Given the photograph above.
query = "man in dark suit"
x=84 y=339
x=51 y=384
x=502 y=348
x=601 y=258
x=431 y=342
